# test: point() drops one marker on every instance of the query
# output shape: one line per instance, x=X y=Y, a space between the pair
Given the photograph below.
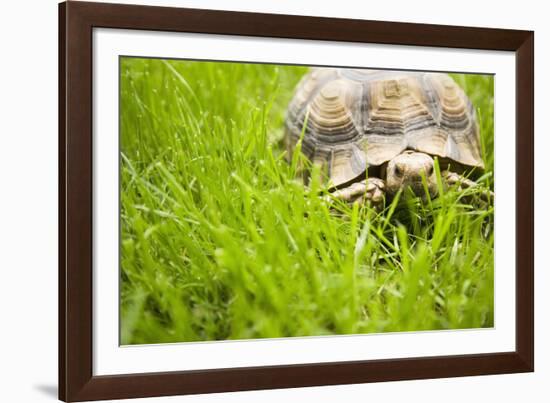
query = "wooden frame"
x=76 y=22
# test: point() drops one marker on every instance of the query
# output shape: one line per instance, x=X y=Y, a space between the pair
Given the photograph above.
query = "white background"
x=28 y=206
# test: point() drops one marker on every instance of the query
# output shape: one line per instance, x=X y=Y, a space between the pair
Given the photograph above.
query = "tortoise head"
x=407 y=170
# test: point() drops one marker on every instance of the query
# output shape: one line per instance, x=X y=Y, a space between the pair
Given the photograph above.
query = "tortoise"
x=374 y=132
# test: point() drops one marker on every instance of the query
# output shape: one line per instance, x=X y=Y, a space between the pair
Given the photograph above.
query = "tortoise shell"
x=356 y=119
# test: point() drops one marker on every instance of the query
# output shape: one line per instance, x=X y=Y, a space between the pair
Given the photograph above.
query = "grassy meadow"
x=220 y=241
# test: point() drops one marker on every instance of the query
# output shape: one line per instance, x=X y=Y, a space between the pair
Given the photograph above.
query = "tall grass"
x=219 y=241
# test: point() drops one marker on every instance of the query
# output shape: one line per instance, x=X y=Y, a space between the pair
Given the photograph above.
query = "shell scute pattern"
x=331 y=116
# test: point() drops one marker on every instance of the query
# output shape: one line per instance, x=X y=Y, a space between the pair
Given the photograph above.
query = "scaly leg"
x=453 y=179
x=370 y=190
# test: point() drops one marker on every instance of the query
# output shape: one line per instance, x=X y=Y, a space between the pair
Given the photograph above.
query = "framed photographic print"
x=252 y=201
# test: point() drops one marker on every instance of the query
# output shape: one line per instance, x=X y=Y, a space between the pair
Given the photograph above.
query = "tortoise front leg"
x=370 y=190
x=454 y=179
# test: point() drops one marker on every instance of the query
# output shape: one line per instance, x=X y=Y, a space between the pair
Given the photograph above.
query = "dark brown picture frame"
x=76 y=23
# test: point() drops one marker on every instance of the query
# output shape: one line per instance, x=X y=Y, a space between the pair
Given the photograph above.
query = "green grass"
x=219 y=241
